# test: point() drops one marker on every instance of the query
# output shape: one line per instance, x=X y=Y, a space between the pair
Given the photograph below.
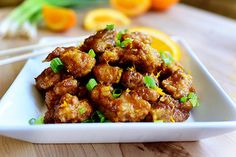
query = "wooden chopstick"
x=30 y=48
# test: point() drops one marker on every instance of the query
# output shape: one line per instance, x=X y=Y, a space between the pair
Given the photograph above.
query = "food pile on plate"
x=115 y=76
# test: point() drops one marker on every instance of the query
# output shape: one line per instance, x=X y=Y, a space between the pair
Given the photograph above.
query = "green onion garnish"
x=183 y=99
x=82 y=110
x=88 y=121
x=150 y=82
x=110 y=27
x=118 y=38
x=193 y=98
x=91 y=84
x=101 y=116
x=126 y=42
x=39 y=120
x=92 y=53
x=96 y=117
x=166 y=57
x=116 y=93
x=31 y=121
x=158 y=121
x=118 y=43
x=120 y=33
x=192 y=95
x=56 y=65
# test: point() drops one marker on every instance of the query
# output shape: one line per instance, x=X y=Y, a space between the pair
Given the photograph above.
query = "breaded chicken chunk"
x=129 y=107
x=179 y=84
x=107 y=74
x=72 y=110
x=111 y=55
x=102 y=40
x=47 y=79
x=132 y=79
x=52 y=97
x=168 y=110
x=148 y=94
x=77 y=62
x=59 y=51
x=143 y=56
x=140 y=37
x=69 y=85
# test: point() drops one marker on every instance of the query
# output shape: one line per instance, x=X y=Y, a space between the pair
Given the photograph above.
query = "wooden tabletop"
x=212 y=37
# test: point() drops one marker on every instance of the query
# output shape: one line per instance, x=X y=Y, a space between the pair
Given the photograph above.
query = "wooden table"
x=214 y=40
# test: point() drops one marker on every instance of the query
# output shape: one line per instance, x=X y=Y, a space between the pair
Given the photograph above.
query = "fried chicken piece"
x=148 y=94
x=47 y=79
x=77 y=62
x=49 y=116
x=111 y=55
x=132 y=79
x=68 y=85
x=99 y=42
x=129 y=107
x=53 y=96
x=102 y=94
x=179 y=84
x=143 y=56
x=107 y=74
x=51 y=99
x=167 y=109
x=58 y=51
x=72 y=110
x=167 y=70
x=186 y=106
x=140 y=37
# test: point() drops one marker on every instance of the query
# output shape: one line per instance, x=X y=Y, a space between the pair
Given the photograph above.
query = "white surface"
x=216 y=114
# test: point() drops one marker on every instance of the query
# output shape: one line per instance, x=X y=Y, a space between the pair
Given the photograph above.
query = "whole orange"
x=163 y=4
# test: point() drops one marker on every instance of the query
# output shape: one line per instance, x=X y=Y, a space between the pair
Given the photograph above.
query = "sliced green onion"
x=31 y=121
x=101 y=116
x=92 y=53
x=120 y=33
x=39 y=120
x=91 y=84
x=116 y=93
x=150 y=82
x=118 y=38
x=183 y=99
x=82 y=110
x=56 y=65
x=194 y=102
x=96 y=117
x=192 y=95
x=193 y=98
x=110 y=27
x=126 y=42
x=118 y=43
x=158 y=121
x=166 y=57
x=88 y=121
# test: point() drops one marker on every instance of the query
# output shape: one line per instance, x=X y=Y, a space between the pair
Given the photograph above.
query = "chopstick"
x=30 y=48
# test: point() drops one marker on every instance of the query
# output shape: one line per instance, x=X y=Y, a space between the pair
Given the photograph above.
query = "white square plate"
x=216 y=114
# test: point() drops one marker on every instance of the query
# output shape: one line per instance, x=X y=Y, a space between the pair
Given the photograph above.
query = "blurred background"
x=223 y=7
x=25 y=17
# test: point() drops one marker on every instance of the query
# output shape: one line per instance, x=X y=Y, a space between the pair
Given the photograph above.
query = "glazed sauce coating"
x=115 y=67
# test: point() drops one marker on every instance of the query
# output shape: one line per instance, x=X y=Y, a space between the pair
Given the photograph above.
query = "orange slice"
x=59 y=19
x=161 y=41
x=99 y=18
x=131 y=7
